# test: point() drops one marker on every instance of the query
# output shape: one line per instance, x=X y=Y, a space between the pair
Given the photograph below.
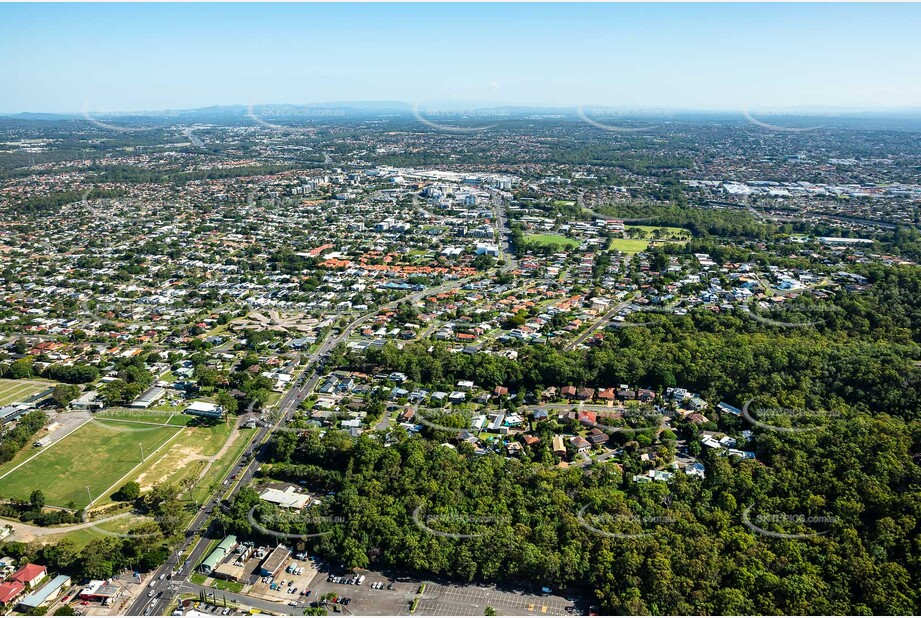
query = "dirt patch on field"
x=186 y=455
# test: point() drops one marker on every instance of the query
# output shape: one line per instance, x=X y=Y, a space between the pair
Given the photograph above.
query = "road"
x=192 y=138
x=596 y=325
x=505 y=236
x=285 y=409
x=242 y=599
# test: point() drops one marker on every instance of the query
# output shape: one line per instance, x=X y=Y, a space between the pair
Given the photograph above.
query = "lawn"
x=167 y=416
x=14 y=391
x=187 y=456
x=220 y=584
x=550 y=239
x=628 y=245
x=651 y=230
x=84 y=536
x=98 y=454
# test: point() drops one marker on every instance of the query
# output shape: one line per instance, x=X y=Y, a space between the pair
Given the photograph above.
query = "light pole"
x=141 y=444
x=89 y=496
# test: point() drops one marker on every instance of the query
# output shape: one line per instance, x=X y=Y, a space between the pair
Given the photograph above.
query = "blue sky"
x=111 y=57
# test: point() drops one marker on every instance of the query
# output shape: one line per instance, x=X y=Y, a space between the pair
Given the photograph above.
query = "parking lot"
x=437 y=600
x=288 y=581
x=365 y=600
x=440 y=600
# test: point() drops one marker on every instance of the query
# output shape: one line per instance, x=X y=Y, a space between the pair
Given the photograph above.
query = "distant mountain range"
x=432 y=111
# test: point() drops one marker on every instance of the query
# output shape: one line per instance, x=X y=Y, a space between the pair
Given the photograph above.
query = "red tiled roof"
x=9 y=591
x=28 y=573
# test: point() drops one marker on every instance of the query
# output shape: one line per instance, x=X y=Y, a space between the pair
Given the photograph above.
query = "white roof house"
x=288 y=498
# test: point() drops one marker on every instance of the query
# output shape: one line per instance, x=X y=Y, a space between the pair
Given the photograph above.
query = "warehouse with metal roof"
x=46 y=593
x=219 y=553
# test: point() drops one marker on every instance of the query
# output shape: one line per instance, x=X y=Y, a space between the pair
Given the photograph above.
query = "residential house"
x=582 y=445
x=585 y=393
x=10 y=592
x=606 y=394
x=596 y=436
x=559 y=447
x=548 y=393
x=30 y=575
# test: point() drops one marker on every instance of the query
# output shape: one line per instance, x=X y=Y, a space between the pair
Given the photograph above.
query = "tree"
x=20 y=347
x=37 y=499
x=114 y=393
x=490 y=611
x=21 y=369
x=228 y=402
x=128 y=492
x=65 y=393
x=207 y=377
x=65 y=610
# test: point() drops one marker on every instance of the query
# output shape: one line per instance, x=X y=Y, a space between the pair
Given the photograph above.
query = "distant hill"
x=285 y=113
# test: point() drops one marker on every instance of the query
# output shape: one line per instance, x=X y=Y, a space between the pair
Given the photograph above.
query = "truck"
x=42 y=442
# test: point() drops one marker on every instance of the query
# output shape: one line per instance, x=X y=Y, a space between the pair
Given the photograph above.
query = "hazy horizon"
x=460 y=107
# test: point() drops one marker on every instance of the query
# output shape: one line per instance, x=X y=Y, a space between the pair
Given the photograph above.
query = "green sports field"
x=14 y=391
x=98 y=454
x=160 y=417
x=629 y=245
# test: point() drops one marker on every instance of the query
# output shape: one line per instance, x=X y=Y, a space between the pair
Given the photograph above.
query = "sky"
x=132 y=57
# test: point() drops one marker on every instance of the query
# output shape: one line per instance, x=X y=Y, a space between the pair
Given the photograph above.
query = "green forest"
x=846 y=495
x=524 y=522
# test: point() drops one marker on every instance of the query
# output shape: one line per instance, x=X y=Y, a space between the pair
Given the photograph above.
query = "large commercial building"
x=99 y=591
x=150 y=397
x=203 y=408
x=274 y=561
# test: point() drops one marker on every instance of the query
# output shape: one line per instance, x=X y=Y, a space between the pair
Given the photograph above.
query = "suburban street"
x=596 y=325
x=284 y=410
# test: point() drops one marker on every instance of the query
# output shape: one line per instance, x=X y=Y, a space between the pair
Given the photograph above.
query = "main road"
x=596 y=325
x=240 y=474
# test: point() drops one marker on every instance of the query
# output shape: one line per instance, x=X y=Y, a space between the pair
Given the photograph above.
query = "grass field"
x=98 y=454
x=551 y=239
x=186 y=457
x=162 y=417
x=628 y=245
x=14 y=391
x=84 y=535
